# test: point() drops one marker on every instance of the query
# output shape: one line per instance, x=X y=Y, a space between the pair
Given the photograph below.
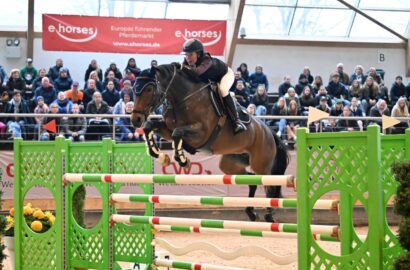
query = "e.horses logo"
x=64 y=30
x=129 y=35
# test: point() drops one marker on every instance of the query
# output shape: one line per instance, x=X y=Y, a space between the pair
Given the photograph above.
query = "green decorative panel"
x=132 y=243
x=37 y=165
x=393 y=150
x=88 y=247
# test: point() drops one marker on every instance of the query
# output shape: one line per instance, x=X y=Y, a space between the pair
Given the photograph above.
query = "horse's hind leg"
x=236 y=164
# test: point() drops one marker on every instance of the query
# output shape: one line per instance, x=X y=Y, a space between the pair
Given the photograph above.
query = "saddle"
x=219 y=108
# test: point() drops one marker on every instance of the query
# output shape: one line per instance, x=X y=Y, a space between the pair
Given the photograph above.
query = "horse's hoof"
x=185 y=164
x=251 y=214
x=269 y=218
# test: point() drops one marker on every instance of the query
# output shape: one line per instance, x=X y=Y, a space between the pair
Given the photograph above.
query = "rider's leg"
x=224 y=86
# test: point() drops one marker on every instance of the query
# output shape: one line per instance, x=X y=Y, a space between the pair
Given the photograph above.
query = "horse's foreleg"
x=177 y=141
x=152 y=147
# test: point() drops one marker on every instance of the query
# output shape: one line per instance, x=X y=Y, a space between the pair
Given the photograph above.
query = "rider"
x=212 y=69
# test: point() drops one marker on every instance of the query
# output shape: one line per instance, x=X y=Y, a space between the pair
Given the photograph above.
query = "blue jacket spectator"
x=119 y=108
x=258 y=78
x=110 y=95
x=3 y=74
x=37 y=81
x=46 y=90
x=127 y=131
x=358 y=75
x=64 y=104
x=63 y=82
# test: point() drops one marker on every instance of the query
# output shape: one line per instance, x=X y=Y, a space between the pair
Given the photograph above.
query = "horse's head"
x=146 y=96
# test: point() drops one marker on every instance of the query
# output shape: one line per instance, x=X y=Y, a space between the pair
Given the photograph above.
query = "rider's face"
x=191 y=58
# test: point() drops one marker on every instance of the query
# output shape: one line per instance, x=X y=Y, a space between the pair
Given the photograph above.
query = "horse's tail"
x=282 y=159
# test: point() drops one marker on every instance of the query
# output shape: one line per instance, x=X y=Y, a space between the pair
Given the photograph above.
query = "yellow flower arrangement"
x=36 y=219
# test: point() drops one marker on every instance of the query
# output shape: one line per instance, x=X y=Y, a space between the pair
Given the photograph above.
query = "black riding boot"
x=238 y=126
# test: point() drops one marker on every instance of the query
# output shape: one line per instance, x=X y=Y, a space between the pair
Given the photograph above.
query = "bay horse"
x=190 y=122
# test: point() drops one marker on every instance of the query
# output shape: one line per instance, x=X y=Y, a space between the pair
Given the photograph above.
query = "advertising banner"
x=129 y=35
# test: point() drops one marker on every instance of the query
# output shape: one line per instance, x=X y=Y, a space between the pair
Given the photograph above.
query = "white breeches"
x=226 y=83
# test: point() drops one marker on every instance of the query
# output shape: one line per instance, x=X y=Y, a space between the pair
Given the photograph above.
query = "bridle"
x=159 y=96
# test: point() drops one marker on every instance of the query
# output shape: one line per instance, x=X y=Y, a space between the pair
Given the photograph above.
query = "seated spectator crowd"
x=29 y=90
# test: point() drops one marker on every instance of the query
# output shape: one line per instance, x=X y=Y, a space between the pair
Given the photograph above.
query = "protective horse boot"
x=238 y=126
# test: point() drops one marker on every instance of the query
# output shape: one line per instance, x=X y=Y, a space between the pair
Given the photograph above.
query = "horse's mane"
x=184 y=72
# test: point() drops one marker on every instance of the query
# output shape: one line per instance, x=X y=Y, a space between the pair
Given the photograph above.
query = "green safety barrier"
x=357 y=164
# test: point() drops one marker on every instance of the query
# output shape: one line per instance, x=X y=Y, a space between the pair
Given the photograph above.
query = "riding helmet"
x=193 y=45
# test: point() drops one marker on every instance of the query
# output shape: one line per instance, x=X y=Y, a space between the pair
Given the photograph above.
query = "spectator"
x=113 y=68
x=15 y=82
x=93 y=66
x=356 y=90
x=284 y=87
x=336 y=89
x=337 y=108
x=41 y=108
x=371 y=93
x=344 y=124
x=132 y=67
x=324 y=107
x=98 y=84
x=357 y=110
x=98 y=126
x=306 y=71
x=89 y=92
x=291 y=95
x=355 y=107
x=376 y=77
x=292 y=124
x=343 y=76
x=119 y=108
x=251 y=109
x=127 y=130
x=397 y=90
x=63 y=82
x=261 y=100
x=54 y=71
x=6 y=94
x=280 y=109
x=3 y=74
x=306 y=101
x=400 y=109
x=323 y=93
x=408 y=91
x=75 y=95
x=111 y=78
x=47 y=135
x=317 y=83
x=243 y=69
x=128 y=89
x=242 y=94
x=357 y=75
x=379 y=109
x=46 y=90
x=28 y=74
x=154 y=63
x=303 y=81
x=238 y=77
x=64 y=104
x=75 y=127
x=258 y=78
x=37 y=81
x=110 y=95
x=17 y=126
x=127 y=76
